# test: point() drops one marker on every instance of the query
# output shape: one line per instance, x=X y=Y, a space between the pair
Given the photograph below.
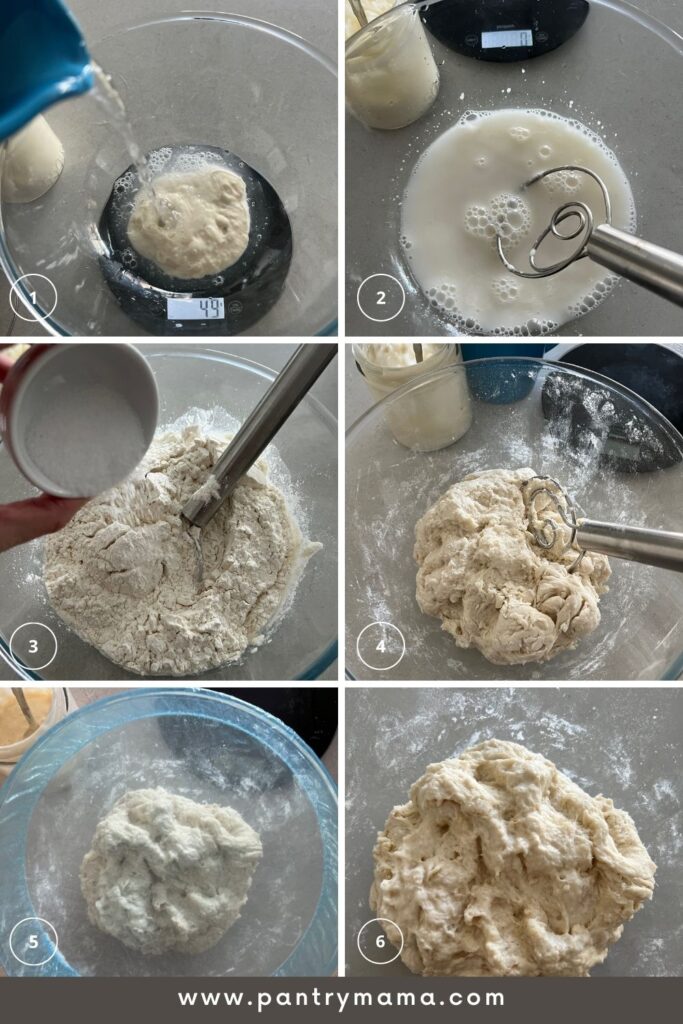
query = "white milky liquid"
x=467 y=186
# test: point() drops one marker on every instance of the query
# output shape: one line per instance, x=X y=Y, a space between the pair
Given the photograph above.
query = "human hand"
x=23 y=521
x=5 y=364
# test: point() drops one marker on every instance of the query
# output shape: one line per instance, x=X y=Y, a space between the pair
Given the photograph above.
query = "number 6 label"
x=373 y=944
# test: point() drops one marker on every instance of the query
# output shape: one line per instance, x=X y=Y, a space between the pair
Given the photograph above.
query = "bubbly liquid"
x=466 y=188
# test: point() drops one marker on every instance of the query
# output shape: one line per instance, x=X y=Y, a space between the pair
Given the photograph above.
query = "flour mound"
x=500 y=865
x=168 y=874
x=122 y=574
x=493 y=587
x=193 y=224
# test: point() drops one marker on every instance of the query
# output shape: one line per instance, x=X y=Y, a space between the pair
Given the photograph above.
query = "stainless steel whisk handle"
x=260 y=427
x=658 y=269
x=662 y=548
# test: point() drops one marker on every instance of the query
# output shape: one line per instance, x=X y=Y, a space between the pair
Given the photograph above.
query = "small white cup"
x=55 y=375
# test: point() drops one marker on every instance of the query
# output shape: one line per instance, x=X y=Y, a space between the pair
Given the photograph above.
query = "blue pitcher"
x=43 y=59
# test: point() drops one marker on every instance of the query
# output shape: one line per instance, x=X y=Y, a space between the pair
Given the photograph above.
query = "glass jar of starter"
x=426 y=419
x=48 y=705
x=391 y=75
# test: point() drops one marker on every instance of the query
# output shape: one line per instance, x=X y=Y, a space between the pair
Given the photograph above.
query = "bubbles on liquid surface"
x=563 y=182
x=505 y=289
x=443 y=297
x=520 y=134
x=506 y=215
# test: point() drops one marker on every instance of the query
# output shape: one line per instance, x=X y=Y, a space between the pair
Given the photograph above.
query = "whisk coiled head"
x=576 y=210
x=546 y=501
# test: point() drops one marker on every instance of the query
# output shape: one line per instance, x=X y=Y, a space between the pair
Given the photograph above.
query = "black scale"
x=504 y=30
x=226 y=303
x=628 y=444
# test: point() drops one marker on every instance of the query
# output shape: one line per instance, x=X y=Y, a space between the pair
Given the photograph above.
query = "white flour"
x=122 y=574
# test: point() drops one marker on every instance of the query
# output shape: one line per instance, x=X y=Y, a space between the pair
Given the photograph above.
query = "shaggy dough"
x=491 y=585
x=500 y=865
x=168 y=874
x=123 y=572
x=194 y=223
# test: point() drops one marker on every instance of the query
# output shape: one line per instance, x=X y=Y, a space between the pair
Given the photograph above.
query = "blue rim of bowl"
x=673 y=671
x=6 y=262
x=327 y=657
x=324 y=787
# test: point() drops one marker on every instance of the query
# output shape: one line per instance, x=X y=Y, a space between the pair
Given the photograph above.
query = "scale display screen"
x=195 y=309
x=507 y=38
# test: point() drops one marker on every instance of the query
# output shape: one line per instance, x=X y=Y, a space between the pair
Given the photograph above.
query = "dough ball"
x=500 y=865
x=193 y=224
x=493 y=587
x=166 y=874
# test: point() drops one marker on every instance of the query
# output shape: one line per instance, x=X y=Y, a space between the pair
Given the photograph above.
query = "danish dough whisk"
x=658 y=269
x=552 y=513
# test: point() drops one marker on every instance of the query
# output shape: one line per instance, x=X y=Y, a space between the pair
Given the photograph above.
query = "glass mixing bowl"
x=302 y=460
x=616 y=456
x=601 y=77
x=252 y=88
x=206 y=747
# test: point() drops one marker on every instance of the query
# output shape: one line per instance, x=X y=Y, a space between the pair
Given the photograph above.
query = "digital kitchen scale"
x=226 y=303
x=504 y=30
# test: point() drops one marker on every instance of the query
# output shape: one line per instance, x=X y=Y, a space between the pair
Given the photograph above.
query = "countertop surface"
x=622 y=744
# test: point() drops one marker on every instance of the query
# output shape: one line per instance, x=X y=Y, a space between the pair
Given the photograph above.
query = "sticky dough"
x=500 y=865
x=168 y=874
x=193 y=224
x=481 y=572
